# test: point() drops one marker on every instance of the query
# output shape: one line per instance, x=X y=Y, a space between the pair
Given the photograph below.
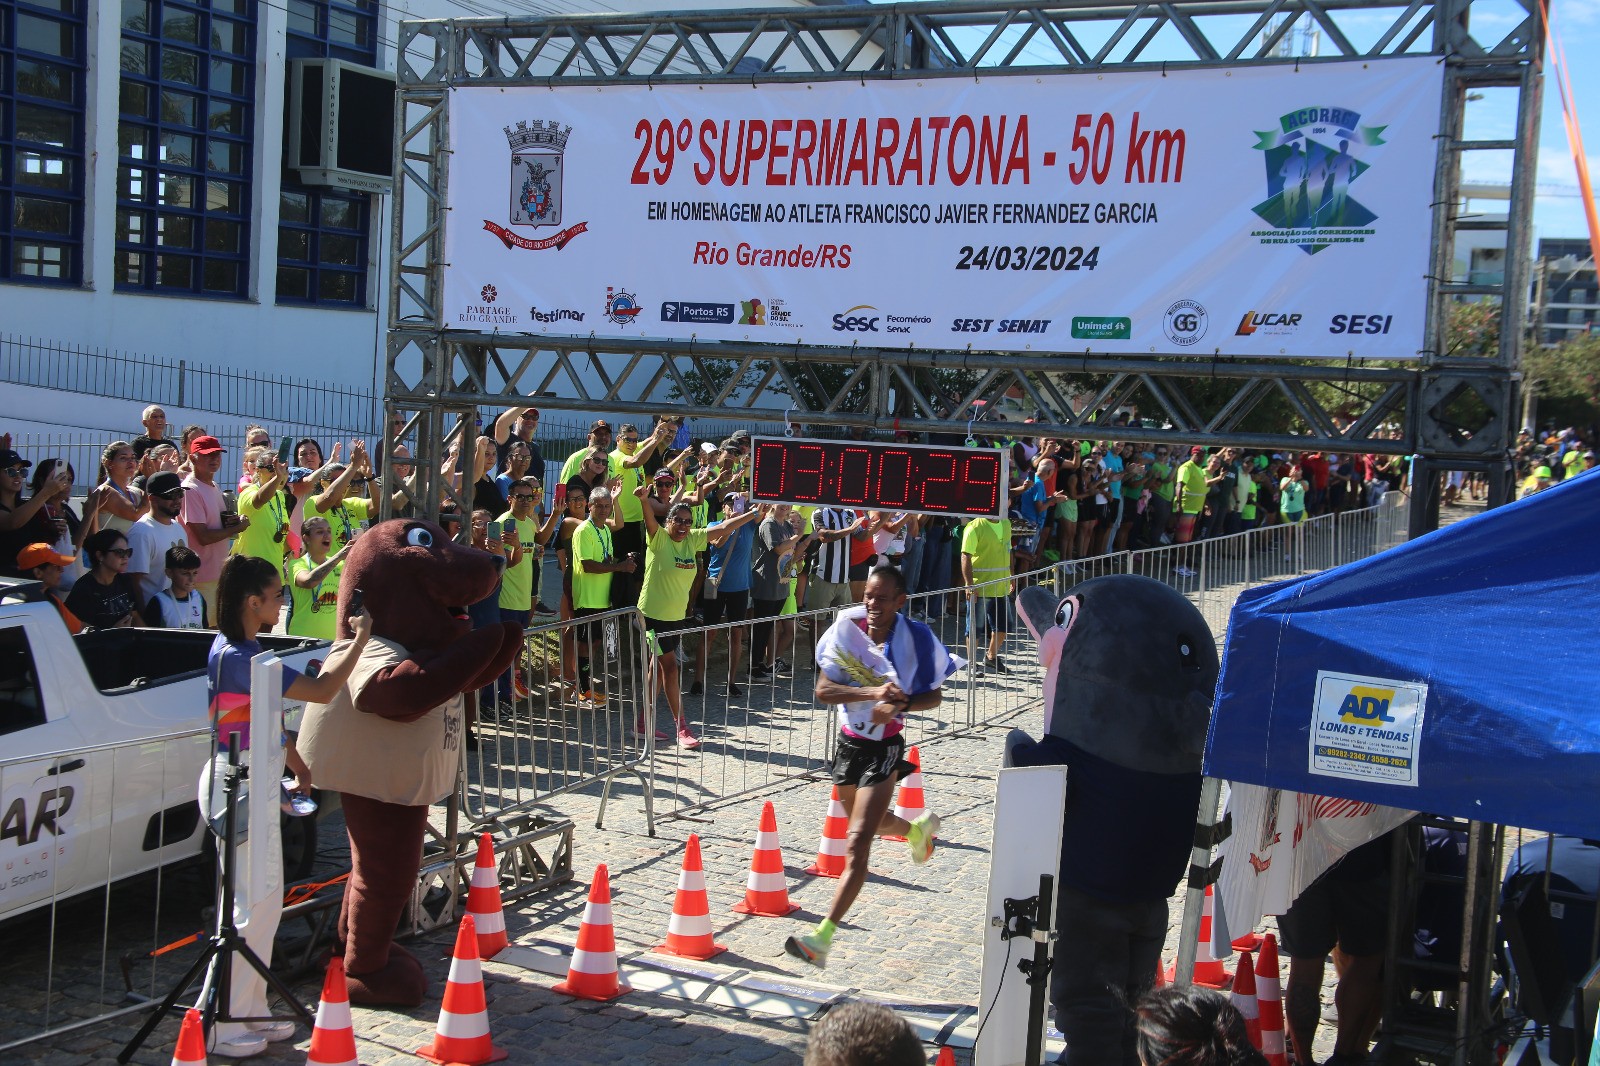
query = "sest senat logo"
x=1185 y=322
x=1361 y=323
x=1267 y=322
x=853 y=322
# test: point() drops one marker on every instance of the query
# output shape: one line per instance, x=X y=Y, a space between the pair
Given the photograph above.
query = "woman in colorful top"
x=263 y=504
x=248 y=595
x=669 y=569
x=314 y=581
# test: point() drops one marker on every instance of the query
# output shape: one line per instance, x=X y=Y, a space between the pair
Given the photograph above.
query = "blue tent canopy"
x=1458 y=673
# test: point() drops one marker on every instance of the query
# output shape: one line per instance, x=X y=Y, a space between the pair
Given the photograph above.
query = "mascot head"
x=1130 y=667
x=415 y=582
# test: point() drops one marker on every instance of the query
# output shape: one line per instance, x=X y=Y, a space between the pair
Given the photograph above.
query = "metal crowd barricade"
x=90 y=948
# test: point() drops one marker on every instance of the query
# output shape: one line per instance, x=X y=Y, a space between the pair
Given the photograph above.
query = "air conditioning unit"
x=341 y=124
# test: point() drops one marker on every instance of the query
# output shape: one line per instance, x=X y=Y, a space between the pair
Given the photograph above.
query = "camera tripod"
x=215 y=998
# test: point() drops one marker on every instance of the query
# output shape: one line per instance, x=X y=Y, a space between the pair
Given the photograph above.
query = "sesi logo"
x=850 y=322
x=1361 y=323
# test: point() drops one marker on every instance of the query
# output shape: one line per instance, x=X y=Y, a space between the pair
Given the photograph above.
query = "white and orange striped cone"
x=333 y=1038
x=1248 y=942
x=835 y=831
x=1269 y=996
x=689 y=929
x=766 y=893
x=1208 y=969
x=908 y=799
x=191 y=1046
x=483 y=901
x=593 y=974
x=462 y=1036
x=1243 y=997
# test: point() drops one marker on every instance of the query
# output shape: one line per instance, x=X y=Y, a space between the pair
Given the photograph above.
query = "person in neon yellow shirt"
x=626 y=464
x=1192 y=488
x=986 y=573
x=314 y=582
x=262 y=503
x=670 y=564
x=346 y=514
x=594 y=560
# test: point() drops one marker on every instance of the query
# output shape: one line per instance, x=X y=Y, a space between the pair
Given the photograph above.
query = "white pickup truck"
x=102 y=737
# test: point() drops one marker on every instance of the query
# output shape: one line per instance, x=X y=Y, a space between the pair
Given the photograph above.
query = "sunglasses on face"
x=121 y=553
x=14 y=471
x=171 y=497
x=522 y=495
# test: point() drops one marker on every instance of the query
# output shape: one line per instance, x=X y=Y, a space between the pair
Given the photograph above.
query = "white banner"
x=1257 y=211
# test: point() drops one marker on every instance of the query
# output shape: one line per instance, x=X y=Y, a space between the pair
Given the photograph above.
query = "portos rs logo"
x=1365 y=705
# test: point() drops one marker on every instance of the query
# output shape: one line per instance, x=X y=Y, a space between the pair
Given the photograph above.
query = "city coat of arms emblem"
x=538 y=163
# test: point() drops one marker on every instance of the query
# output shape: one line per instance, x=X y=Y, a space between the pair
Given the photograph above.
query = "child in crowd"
x=44 y=564
x=181 y=606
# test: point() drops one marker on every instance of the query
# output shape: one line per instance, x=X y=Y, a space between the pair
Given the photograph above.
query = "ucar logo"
x=1364 y=706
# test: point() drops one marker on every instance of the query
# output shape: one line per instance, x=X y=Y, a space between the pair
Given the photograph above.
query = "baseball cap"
x=163 y=483
x=39 y=554
x=12 y=458
x=600 y=424
x=730 y=445
x=205 y=445
x=530 y=412
x=739 y=434
x=664 y=475
x=707 y=447
x=1197 y=450
x=1543 y=472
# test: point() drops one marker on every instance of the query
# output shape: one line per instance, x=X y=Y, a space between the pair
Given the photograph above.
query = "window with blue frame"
x=42 y=57
x=184 y=145
x=324 y=233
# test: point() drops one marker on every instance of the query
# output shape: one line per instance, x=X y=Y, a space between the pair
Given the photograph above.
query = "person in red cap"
x=44 y=564
x=205 y=517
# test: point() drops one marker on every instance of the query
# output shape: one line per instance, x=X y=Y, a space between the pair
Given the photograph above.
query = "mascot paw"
x=401 y=983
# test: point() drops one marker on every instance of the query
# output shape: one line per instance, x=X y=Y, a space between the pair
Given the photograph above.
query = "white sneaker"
x=272 y=1032
x=240 y=1045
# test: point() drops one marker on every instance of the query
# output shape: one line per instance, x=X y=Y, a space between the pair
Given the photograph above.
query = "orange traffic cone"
x=462 y=1036
x=1248 y=942
x=191 y=1047
x=592 y=973
x=1208 y=969
x=908 y=800
x=1269 y=997
x=483 y=901
x=333 y=1038
x=1161 y=975
x=947 y=1056
x=766 y=893
x=830 y=853
x=1244 y=998
x=689 y=928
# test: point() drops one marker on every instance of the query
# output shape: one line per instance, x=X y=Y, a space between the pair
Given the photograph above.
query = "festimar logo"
x=1312 y=159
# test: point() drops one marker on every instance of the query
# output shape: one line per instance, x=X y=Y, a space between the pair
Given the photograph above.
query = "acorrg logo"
x=1361 y=324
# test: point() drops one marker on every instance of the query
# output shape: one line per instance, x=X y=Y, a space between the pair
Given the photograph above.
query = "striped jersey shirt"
x=833 y=560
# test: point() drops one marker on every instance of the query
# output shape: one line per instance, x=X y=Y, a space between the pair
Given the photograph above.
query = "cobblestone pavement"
x=914 y=934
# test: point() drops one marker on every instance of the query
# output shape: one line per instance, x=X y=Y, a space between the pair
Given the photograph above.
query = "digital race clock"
x=922 y=478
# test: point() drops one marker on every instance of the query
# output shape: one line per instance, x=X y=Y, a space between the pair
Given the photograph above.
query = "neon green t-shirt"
x=989 y=543
x=1192 y=476
x=1162 y=486
x=669 y=568
x=516 y=584
x=313 y=612
x=632 y=506
x=1248 y=511
x=346 y=519
x=268 y=530
x=593 y=543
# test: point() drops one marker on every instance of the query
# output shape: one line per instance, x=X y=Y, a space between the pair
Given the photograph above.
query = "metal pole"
x=1039 y=975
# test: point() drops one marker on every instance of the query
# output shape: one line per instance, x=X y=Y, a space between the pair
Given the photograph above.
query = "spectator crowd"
x=648 y=517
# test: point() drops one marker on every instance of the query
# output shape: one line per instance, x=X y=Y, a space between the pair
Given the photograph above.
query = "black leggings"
x=766 y=611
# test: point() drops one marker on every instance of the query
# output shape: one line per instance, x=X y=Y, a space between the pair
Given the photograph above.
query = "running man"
x=878 y=666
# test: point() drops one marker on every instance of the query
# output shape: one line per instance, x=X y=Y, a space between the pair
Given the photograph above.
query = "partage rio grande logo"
x=1312 y=159
x=538 y=162
x=1367 y=728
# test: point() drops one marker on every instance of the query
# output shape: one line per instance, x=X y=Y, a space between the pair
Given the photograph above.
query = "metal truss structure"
x=1450 y=411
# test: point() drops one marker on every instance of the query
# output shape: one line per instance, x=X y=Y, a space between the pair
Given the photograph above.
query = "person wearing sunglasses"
x=153 y=534
x=24 y=522
x=314 y=581
x=262 y=502
x=106 y=597
x=523 y=540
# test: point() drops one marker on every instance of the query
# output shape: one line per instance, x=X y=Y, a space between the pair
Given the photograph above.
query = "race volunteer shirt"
x=516 y=584
x=1192 y=480
x=313 y=611
x=1162 y=485
x=347 y=519
x=632 y=507
x=669 y=568
x=591 y=543
x=988 y=541
x=269 y=525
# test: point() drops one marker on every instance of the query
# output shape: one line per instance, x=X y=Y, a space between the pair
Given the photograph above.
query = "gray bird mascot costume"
x=1130 y=666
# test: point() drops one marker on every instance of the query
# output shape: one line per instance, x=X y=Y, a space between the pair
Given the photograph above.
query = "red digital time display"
x=920 y=478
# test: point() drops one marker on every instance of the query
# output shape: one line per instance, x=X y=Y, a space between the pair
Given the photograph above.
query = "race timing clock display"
x=921 y=478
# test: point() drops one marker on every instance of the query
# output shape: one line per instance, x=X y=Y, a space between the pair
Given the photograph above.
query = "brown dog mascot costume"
x=390 y=741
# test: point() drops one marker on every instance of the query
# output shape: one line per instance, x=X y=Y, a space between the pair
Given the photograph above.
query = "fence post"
x=183 y=371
